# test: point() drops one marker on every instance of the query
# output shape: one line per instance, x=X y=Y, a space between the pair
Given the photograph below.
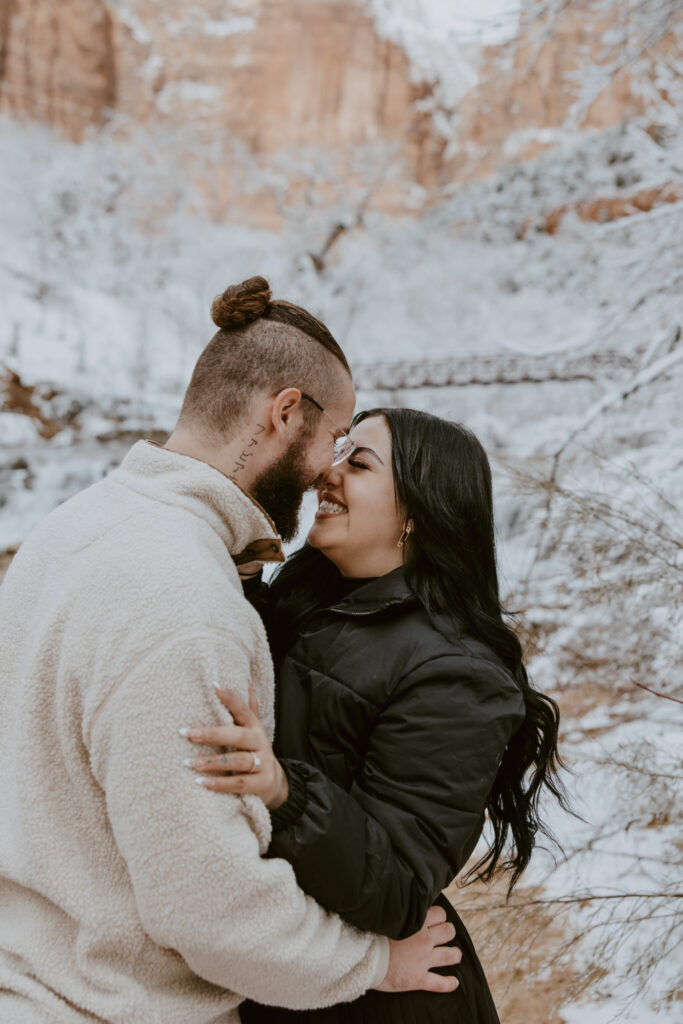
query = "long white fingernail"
x=201 y=779
x=184 y=732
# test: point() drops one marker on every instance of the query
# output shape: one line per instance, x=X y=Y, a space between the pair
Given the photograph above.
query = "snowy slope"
x=106 y=277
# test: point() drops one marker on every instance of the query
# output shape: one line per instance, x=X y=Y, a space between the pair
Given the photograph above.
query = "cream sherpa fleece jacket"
x=127 y=892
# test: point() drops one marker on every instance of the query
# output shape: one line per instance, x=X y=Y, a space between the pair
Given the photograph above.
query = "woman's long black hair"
x=443 y=481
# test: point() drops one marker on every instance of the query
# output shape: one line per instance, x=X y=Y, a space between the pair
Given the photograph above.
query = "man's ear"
x=284 y=409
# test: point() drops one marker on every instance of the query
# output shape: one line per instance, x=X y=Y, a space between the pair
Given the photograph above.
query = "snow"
x=132 y=22
x=109 y=265
x=187 y=92
x=487 y=21
x=228 y=27
x=18 y=430
x=443 y=39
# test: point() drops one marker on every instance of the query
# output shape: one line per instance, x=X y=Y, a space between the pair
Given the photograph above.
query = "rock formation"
x=57 y=62
x=272 y=75
x=536 y=90
x=251 y=79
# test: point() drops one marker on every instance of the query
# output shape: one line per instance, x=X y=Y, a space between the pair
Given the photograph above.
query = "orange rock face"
x=16 y=396
x=295 y=76
x=277 y=75
x=57 y=62
x=536 y=89
x=607 y=208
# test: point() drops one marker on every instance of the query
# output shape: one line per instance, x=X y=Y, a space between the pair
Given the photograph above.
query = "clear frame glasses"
x=344 y=446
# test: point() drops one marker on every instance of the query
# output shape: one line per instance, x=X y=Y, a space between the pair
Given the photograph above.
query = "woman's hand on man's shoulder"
x=247 y=763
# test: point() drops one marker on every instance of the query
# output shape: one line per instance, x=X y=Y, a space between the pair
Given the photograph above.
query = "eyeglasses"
x=344 y=446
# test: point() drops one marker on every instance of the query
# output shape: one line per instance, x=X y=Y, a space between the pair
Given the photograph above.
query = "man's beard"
x=280 y=489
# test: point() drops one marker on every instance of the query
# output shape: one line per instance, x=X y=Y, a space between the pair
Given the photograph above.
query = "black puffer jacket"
x=391 y=735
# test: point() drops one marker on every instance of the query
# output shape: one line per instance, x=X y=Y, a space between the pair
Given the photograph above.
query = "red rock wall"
x=289 y=75
x=529 y=91
x=57 y=62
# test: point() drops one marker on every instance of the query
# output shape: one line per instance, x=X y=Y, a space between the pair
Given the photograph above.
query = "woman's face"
x=358 y=525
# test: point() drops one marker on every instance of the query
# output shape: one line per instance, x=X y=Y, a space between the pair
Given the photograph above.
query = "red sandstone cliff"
x=275 y=75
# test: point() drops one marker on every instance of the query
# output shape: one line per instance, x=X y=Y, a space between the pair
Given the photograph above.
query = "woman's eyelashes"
x=357 y=464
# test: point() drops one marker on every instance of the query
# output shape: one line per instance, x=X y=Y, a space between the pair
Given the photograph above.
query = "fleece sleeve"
x=380 y=853
x=201 y=885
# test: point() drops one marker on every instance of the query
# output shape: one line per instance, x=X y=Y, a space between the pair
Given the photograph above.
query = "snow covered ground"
x=106 y=276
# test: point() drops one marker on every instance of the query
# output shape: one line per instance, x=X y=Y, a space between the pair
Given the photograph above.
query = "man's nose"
x=323 y=479
x=333 y=475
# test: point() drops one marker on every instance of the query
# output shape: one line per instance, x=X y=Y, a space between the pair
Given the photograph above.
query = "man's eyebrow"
x=370 y=451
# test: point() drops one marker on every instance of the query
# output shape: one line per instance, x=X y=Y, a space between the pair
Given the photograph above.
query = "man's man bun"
x=241 y=304
x=261 y=346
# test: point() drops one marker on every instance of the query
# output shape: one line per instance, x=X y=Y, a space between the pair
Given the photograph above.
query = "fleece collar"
x=173 y=479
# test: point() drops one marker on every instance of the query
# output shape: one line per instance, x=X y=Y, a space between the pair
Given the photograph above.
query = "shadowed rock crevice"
x=6 y=12
x=58 y=63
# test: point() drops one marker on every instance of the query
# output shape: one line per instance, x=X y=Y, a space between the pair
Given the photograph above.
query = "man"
x=127 y=894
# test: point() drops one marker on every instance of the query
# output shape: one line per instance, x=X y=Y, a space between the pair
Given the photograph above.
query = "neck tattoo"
x=241 y=462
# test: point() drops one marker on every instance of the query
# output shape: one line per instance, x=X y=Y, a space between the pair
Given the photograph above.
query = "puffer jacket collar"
x=387 y=591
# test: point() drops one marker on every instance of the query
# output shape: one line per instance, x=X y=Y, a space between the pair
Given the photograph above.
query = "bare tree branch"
x=649 y=689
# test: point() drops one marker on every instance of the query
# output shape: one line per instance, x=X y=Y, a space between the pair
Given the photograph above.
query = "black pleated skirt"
x=471 y=1003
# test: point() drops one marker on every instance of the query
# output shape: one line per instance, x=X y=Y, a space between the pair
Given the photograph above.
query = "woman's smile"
x=329 y=505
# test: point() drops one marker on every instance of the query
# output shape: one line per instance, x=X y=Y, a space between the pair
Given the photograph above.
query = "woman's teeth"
x=331 y=508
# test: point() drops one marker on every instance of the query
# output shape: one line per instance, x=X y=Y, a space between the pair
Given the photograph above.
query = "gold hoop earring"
x=407 y=530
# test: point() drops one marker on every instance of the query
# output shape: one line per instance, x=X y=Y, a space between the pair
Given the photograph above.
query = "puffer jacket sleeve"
x=379 y=854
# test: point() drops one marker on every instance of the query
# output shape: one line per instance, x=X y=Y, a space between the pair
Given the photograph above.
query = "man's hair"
x=261 y=346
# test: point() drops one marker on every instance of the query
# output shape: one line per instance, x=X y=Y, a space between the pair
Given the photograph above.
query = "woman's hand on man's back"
x=412 y=960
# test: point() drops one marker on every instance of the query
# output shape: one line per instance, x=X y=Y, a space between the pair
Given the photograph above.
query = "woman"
x=404 y=713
